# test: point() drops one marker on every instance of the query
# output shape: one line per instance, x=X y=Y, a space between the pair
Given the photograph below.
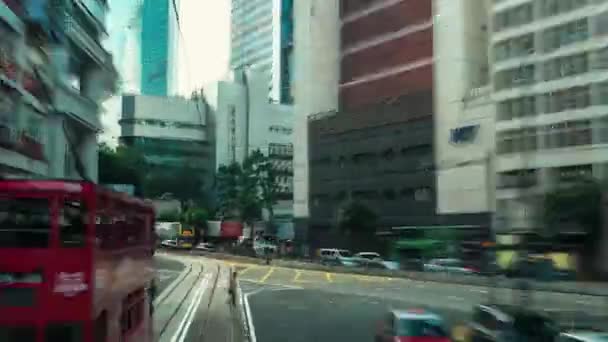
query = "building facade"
x=550 y=81
x=377 y=148
x=158 y=52
x=246 y=122
x=171 y=132
x=315 y=89
x=55 y=73
x=262 y=38
x=464 y=110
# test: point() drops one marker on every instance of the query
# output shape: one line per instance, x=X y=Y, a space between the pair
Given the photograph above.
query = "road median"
x=569 y=287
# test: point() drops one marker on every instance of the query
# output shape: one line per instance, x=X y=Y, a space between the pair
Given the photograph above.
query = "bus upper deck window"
x=24 y=223
x=72 y=224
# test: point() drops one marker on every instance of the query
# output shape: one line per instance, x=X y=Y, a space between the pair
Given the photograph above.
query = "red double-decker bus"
x=75 y=263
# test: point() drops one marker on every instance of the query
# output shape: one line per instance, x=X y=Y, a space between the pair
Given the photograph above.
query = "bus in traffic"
x=185 y=237
x=75 y=263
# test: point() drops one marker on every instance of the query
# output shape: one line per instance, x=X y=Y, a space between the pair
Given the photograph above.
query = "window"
x=423 y=195
x=517 y=108
x=566 y=134
x=566 y=66
x=68 y=332
x=132 y=312
x=422 y=328
x=565 y=34
x=514 y=47
x=18 y=333
x=603 y=92
x=72 y=225
x=571 y=98
x=511 y=17
x=601 y=59
x=389 y=194
x=515 y=77
x=24 y=223
x=555 y=7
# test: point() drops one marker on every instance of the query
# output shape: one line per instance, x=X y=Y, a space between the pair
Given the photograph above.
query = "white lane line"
x=456 y=298
x=187 y=319
x=193 y=313
x=252 y=337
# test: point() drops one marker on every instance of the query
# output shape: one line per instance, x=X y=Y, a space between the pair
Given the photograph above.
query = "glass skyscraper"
x=158 y=39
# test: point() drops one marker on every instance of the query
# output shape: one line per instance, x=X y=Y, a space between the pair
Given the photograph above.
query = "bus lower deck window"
x=65 y=332
x=72 y=225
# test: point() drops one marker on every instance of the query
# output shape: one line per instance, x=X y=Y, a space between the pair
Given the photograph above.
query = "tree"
x=357 y=218
x=260 y=168
x=227 y=185
x=169 y=216
x=183 y=183
x=123 y=165
x=580 y=206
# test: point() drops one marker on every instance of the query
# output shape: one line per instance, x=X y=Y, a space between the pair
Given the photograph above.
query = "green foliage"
x=123 y=165
x=244 y=190
x=579 y=204
x=196 y=217
x=185 y=184
x=356 y=217
x=169 y=216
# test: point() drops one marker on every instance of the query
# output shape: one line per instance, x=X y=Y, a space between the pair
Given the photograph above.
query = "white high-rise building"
x=262 y=39
x=550 y=75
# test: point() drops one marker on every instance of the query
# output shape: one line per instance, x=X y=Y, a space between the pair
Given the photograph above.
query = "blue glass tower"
x=155 y=45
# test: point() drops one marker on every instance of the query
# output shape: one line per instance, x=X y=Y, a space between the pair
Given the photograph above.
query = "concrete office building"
x=171 y=132
x=159 y=47
x=315 y=89
x=550 y=75
x=51 y=89
x=246 y=122
x=377 y=148
x=262 y=38
x=464 y=110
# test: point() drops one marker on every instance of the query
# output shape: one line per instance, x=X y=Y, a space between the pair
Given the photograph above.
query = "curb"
x=241 y=303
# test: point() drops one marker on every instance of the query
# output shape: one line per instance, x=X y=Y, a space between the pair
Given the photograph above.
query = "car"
x=205 y=247
x=413 y=325
x=449 y=266
x=499 y=322
x=169 y=243
x=582 y=336
x=368 y=256
x=338 y=257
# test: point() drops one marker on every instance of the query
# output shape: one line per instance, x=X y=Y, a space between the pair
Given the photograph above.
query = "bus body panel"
x=79 y=281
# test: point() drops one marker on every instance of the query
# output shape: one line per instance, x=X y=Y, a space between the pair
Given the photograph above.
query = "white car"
x=205 y=246
x=169 y=243
x=368 y=256
x=583 y=336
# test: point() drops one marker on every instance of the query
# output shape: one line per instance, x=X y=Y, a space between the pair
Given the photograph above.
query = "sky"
x=204 y=50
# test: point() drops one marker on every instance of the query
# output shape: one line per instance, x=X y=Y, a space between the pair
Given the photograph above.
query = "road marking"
x=245 y=270
x=296 y=277
x=184 y=325
x=267 y=275
x=252 y=337
x=329 y=277
x=456 y=298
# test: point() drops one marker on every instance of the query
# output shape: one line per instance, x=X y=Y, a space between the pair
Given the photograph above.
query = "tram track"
x=175 y=300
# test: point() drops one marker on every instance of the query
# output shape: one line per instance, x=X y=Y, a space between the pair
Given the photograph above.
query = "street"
x=300 y=305
x=167 y=271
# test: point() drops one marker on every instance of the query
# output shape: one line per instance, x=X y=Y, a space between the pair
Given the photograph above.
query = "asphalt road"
x=167 y=270
x=300 y=305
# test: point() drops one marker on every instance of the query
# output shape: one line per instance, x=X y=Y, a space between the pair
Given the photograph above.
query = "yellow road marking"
x=267 y=275
x=296 y=277
x=329 y=277
x=245 y=270
x=460 y=333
